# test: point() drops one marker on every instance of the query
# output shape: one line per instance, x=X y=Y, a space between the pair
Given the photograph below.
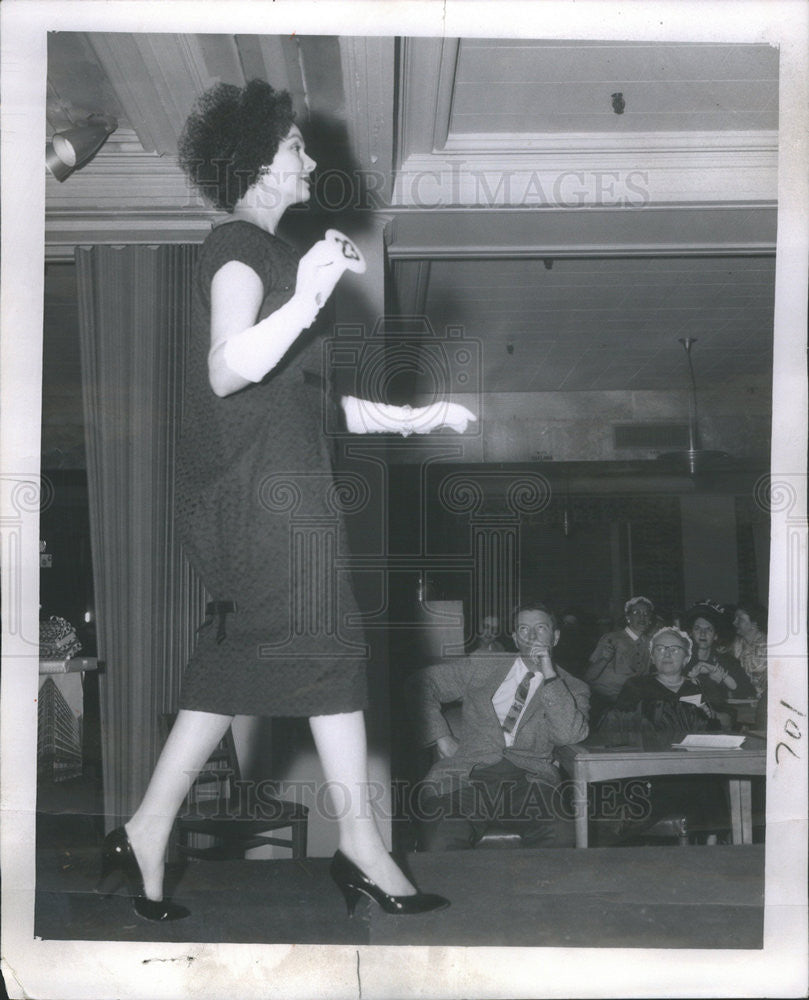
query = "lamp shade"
x=70 y=150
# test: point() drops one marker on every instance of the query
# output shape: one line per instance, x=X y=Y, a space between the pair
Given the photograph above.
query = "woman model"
x=252 y=433
x=718 y=674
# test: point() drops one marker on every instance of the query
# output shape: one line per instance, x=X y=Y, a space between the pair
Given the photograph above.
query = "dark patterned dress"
x=259 y=517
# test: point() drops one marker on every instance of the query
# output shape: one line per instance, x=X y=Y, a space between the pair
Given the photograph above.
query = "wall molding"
x=681 y=230
x=652 y=170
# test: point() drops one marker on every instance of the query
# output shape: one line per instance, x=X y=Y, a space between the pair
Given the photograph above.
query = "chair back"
x=220 y=774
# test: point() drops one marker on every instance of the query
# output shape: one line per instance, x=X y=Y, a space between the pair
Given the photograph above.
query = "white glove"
x=322 y=266
x=455 y=416
x=365 y=417
x=256 y=351
x=253 y=353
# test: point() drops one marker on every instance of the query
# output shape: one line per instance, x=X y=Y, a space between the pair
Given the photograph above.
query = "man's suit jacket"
x=556 y=714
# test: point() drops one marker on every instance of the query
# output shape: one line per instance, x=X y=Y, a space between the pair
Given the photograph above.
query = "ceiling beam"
x=368 y=82
x=600 y=232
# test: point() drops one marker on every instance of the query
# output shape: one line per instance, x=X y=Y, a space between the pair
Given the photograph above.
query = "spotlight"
x=70 y=150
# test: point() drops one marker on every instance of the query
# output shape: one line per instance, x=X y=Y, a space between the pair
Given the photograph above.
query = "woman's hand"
x=455 y=416
x=717 y=673
x=319 y=270
x=365 y=417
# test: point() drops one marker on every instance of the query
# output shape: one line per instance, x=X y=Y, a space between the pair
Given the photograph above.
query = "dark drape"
x=134 y=310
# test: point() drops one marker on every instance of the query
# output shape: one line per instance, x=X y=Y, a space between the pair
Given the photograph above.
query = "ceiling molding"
x=118 y=182
x=694 y=230
x=64 y=232
x=644 y=144
x=565 y=176
x=368 y=86
x=445 y=90
x=425 y=89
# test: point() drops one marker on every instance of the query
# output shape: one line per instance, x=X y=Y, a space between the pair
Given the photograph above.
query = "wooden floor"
x=661 y=897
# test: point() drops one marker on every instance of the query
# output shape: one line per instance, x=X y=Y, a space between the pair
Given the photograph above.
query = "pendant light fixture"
x=695 y=459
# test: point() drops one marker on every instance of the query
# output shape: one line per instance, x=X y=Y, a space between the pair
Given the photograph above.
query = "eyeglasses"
x=671 y=650
x=532 y=631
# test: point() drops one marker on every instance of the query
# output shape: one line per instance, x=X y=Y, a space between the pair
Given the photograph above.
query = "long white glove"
x=365 y=417
x=254 y=352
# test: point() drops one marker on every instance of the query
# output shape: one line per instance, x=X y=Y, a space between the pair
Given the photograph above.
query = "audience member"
x=750 y=647
x=666 y=700
x=658 y=710
x=717 y=673
x=488 y=638
x=620 y=655
x=514 y=712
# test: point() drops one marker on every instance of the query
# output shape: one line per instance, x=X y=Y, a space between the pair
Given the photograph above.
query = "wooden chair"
x=220 y=808
x=498 y=834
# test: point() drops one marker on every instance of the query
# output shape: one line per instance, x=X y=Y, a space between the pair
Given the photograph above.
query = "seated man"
x=620 y=655
x=514 y=712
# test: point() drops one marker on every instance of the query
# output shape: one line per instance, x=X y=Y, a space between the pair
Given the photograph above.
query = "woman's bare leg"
x=342 y=747
x=192 y=739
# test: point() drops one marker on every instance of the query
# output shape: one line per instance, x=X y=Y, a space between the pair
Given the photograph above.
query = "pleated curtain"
x=134 y=313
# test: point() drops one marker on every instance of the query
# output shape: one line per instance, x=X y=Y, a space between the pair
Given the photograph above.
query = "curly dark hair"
x=231 y=134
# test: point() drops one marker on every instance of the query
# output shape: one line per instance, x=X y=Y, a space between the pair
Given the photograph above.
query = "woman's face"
x=703 y=633
x=286 y=180
x=742 y=623
x=639 y=617
x=669 y=653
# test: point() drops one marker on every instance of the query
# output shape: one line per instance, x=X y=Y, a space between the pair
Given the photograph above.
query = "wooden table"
x=590 y=763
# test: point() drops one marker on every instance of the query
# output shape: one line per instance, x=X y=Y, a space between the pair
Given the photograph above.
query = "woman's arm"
x=365 y=417
x=244 y=351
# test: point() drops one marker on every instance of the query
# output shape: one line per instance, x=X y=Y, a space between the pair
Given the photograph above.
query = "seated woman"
x=665 y=702
x=750 y=648
x=717 y=673
x=656 y=711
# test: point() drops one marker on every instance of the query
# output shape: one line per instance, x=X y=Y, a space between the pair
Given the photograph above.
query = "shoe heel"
x=352 y=896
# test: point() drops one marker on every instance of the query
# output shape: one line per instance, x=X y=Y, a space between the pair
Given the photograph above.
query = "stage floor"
x=643 y=897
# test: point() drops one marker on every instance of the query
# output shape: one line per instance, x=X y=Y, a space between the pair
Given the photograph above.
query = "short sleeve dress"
x=258 y=518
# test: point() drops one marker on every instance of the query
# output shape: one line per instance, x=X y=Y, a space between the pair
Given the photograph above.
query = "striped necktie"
x=510 y=720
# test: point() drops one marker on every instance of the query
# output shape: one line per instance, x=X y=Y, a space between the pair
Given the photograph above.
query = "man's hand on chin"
x=541 y=661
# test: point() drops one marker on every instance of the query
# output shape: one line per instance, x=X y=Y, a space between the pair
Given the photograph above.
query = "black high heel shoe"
x=353 y=883
x=117 y=855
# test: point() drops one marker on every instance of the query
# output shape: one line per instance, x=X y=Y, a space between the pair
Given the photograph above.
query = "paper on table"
x=709 y=741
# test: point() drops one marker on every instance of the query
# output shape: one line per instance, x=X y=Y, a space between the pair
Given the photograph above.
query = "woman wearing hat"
x=719 y=675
